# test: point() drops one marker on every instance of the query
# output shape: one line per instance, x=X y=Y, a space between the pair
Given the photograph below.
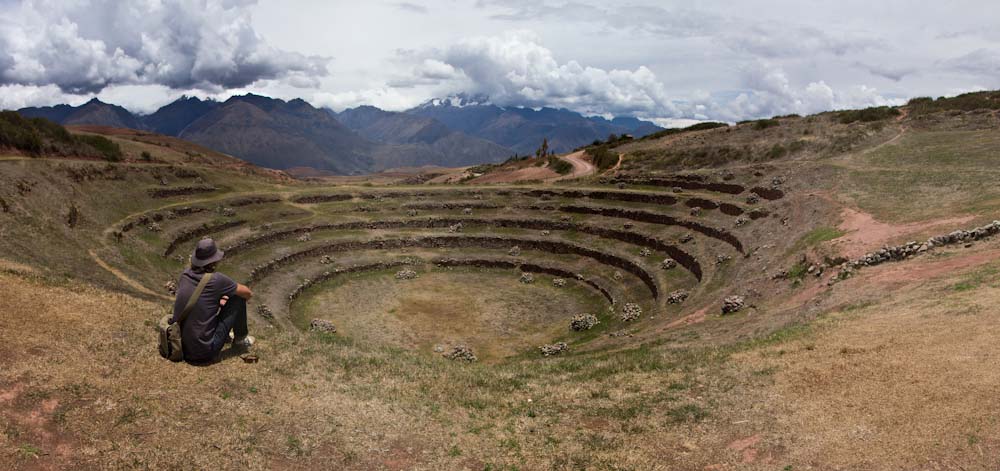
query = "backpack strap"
x=194 y=297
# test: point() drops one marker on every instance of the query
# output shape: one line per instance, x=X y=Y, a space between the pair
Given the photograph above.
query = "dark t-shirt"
x=199 y=327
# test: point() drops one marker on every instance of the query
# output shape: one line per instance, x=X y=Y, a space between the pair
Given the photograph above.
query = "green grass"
x=820 y=234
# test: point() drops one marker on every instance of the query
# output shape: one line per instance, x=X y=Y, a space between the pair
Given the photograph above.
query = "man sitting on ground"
x=221 y=307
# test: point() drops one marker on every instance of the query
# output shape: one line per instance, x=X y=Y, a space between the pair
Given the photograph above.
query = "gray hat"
x=206 y=253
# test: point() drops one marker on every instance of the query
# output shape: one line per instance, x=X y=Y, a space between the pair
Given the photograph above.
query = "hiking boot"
x=243 y=342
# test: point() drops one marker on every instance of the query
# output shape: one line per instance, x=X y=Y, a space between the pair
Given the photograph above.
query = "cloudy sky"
x=664 y=60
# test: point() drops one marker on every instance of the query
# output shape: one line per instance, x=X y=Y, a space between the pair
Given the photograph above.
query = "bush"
x=964 y=102
x=108 y=149
x=777 y=152
x=762 y=124
x=560 y=166
x=146 y=156
x=867 y=115
x=603 y=158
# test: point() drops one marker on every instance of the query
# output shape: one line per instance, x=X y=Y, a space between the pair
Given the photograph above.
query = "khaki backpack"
x=170 y=334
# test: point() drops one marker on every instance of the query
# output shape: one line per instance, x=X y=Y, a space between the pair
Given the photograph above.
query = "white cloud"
x=84 y=46
x=515 y=69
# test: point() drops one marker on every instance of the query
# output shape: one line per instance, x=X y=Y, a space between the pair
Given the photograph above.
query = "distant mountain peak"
x=459 y=100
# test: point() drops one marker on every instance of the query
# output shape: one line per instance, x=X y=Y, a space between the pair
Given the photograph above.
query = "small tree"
x=543 y=151
x=146 y=156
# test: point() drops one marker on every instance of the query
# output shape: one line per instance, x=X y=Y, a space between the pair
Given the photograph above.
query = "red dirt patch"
x=865 y=234
x=693 y=318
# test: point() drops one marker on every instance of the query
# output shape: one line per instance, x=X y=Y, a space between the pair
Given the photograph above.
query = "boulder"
x=631 y=312
x=583 y=322
x=461 y=353
x=553 y=349
x=734 y=303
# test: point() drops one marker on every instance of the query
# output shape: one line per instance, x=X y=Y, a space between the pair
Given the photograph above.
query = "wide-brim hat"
x=206 y=253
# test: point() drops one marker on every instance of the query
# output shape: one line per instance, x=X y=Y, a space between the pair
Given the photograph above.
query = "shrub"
x=603 y=158
x=963 y=102
x=560 y=166
x=146 y=156
x=108 y=149
x=762 y=124
x=867 y=115
x=777 y=152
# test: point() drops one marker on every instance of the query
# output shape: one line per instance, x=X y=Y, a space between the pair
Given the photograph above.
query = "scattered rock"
x=753 y=198
x=406 y=274
x=454 y=228
x=305 y=237
x=412 y=213
x=559 y=282
x=631 y=312
x=461 y=353
x=467 y=211
x=546 y=232
x=617 y=275
x=686 y=238
x=326 y=260
x=677 y=297
x=322 y=325
x=695 y=211
x=734 y=303
x=228 y=212
x=668 y=264
x=527 y=278
x=583 y=322
x=620 y=333
x=553 y=349
x=171 y=287
x=154 y=227
x=741 y=221
x=265 y=311
x=628 y=225
x=720 y=259
x=514 y=251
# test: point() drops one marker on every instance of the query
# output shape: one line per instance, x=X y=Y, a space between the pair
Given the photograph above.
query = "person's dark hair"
x=205 y=269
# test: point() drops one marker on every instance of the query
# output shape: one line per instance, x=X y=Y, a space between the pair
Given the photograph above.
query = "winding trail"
x=581 y=167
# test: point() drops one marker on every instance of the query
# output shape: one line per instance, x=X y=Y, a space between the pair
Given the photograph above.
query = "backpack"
x=170 y=334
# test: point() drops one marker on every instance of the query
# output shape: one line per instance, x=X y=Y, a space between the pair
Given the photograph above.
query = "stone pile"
x=677 y=297
x=514 y=251
x=527 y=278
x=171 y=287
x=559 y=282
x=305 y=237
x=406 y=274
x=583 y=322
x=322 y=325
x=617 y=275
x=455 y=228
x=686 y=238
x=154 y=227
x=631 y=312
x=326 y=260
x=720 y=259
x=461 y=353
x=265 y=311
x=546 y=232
x=741 y=221
x=645 y=252
x=553 y=349
x=467 y=211
x=734 y=303
x=695 y=211
x=668 y=264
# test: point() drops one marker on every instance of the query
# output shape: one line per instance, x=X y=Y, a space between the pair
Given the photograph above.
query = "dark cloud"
x=85 y=46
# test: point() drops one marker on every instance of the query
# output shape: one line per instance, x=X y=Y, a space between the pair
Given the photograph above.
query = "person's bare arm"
x=243 y=291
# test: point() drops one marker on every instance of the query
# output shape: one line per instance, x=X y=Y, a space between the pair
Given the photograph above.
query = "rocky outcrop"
x=583 y=322
x=734 y=303
x=553 y=349
x=461 y=353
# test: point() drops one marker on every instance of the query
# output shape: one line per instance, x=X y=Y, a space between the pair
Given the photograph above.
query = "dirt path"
x=125 y=279
x=581 y=166
x=865 y=233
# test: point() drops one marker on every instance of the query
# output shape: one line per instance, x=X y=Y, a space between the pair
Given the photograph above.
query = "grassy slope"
x=894 y=373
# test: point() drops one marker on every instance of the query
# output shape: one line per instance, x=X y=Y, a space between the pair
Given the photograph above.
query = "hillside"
x=710 y=304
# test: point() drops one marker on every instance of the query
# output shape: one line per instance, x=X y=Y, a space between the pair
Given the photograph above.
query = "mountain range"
x=451 y=132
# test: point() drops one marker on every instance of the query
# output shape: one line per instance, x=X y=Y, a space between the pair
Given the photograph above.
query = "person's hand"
x=223 y=301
